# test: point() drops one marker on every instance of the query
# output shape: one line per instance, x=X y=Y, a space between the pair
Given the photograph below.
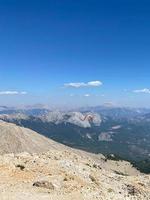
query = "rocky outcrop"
x=84 y=120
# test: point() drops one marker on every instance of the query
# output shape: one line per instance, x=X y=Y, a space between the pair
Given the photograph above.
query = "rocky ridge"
x=16 y=139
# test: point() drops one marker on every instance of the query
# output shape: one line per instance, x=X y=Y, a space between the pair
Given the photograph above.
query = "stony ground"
x=62 y=173
x=69 y=175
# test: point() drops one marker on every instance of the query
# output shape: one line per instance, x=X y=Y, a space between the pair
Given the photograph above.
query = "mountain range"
x=124 y=132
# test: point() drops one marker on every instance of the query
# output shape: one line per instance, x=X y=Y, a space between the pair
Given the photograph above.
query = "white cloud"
x=75 y=85
x=145 y=90
x=87 y=95
x=8 y=92
x=12 y=93
x=82 y=84
x=94 y=83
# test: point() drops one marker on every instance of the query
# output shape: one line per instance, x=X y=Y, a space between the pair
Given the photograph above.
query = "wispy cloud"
x=83 y=84
x=24 y=92
x=145 y=90
x=12 y=93
x=72 y=95
x=87 y=95
x=94 y=83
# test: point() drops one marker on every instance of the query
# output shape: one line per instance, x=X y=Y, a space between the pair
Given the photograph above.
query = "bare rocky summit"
x=46 y=170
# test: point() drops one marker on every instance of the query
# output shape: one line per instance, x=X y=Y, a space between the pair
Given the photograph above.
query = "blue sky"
x=46 y=45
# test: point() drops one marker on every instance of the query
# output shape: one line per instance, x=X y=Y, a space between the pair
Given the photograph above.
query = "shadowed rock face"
x=15 y=139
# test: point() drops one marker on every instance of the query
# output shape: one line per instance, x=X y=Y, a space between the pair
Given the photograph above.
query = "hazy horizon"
x=69 y=107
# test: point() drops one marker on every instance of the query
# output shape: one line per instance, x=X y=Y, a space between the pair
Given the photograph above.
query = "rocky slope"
x=62 y=173
x=69 y=175
x=15 y=139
